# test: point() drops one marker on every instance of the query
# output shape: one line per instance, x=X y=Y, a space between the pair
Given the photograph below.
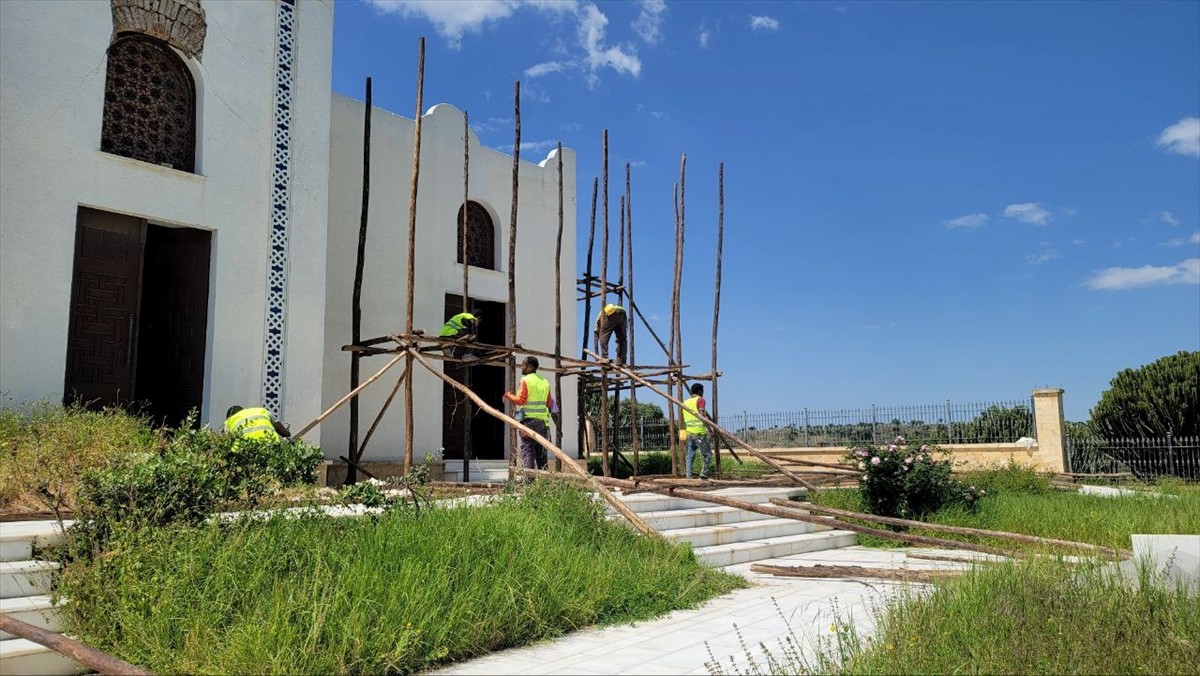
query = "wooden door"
x=101 y=342
x=172 y=331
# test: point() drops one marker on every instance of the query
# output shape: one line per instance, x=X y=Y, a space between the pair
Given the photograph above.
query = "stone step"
x=18 y=539
x=653 y=502
x=770 y=548
x=21 y=656
x=25 y=578
x=741 y=531
x=711 y=515
x=39 y=611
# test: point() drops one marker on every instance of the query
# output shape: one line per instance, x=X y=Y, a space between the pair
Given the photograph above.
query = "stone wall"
x=179 y=23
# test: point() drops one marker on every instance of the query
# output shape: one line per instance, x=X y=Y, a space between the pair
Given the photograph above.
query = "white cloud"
x=1179 y=241
x=1078 y=242
x=1114 y=279
x=763 y=23
x=1069 y=211
x=658 y=115
x=454 y=19
x=1043 y=257
x=528 y=146
x=1182 y=138
x=1168 y=218
x=968 y=221
x=572 y=126
x=591 y=35
x=540 y=69
x=1028 y=212
x=704 y=36
x=648 y=24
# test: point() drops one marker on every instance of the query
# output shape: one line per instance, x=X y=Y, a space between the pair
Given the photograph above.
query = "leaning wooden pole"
x=87 y=656
x=412 y=255
x=717 y=301
x=353 y=393
x=632 y=328
x=558 y=433
x=467 y=371
x=574 y=469
x=671 y=423
x=356 y=301
x=512 y=264
x=717 y=429
x=785 y=513
x=604 y=301
x=383 y=409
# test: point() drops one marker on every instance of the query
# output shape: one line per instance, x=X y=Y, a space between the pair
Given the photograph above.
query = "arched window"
x=481 y=237
x=149 y=104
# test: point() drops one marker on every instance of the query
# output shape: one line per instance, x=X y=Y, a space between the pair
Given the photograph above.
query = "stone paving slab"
x=679 y=643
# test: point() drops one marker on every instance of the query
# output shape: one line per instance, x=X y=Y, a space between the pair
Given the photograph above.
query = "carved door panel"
x=101 y=343
x=172 y=331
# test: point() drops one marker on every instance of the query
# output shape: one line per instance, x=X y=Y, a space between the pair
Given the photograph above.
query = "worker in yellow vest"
x=462 y=327
x=611 y=321
x=694 y=417
x=537 y=406
x=254 y=423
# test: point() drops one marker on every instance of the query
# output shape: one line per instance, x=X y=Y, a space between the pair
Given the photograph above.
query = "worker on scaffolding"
x=463 y=328
x=695 y=426
x=611 y=321
x=536 y=407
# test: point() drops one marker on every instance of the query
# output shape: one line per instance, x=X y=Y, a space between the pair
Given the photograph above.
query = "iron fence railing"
x=1144 y=458
x=950 y=422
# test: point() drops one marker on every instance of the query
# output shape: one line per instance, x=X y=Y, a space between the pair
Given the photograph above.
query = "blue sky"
x=924 y=201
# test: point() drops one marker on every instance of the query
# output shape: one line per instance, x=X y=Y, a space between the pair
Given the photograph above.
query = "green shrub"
x=900 y=481
x=648 y=463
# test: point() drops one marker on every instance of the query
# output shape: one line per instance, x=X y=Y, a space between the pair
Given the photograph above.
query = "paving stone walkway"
x=679 y=643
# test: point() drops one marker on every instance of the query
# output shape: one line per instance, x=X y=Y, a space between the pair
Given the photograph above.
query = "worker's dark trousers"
x=610 y=325
x=533 y=454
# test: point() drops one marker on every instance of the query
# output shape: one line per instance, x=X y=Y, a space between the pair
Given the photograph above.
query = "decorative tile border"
x=277 y=266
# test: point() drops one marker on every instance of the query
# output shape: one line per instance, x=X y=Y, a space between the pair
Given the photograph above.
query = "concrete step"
x=653 y=502
x=25 y=578
x=39 y=611
x=711 y=515
x=741 y=531
x=770 y=548
x=18 y=539
x=21 y=656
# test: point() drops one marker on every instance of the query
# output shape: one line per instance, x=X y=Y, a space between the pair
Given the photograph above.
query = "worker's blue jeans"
x=694 y=442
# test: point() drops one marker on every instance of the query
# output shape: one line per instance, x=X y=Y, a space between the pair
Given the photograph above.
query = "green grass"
x=393 y=594
x=1031 y=508
x=1028 y=618
x=45 y=448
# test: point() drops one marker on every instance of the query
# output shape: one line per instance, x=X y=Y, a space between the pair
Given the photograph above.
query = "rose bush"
x=902 y=481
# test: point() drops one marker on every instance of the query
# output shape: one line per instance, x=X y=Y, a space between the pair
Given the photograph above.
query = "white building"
x=179 y=219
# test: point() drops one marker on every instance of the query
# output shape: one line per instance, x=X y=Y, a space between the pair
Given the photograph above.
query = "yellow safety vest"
x=537 y=390
x=691 y=417
x=609 y=310
x=456 y=325
x=252 y=423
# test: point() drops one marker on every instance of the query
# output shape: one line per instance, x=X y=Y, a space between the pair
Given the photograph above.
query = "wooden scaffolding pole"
x=716 y=428
x=468 y=371
x=681 y=382
x=671 y=426
x=353 y=393
x=574 y=469
x=580 y=396
x=354 y=451
x=558 y=434
x=512 y=264
x=412 y=255
x=383 y=409
x=603 y=348
x=633 y=408
x=717 y=302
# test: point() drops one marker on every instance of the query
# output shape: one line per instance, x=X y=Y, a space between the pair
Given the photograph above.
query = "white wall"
x=52 y=73
x=437 y=270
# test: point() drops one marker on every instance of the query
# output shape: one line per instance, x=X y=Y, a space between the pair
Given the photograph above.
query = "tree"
x=1152 y=400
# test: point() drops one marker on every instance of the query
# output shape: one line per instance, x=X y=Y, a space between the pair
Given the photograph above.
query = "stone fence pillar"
x=1048 y=421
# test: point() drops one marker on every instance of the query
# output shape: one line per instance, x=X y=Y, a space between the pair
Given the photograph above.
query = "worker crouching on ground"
x=537 y=406
x=254 y=423
x=611 y=321
x=694 y=417
x=462 y=327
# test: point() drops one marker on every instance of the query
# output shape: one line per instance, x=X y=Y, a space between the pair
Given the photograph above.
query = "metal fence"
x=959 y=423
x=1144 y=458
